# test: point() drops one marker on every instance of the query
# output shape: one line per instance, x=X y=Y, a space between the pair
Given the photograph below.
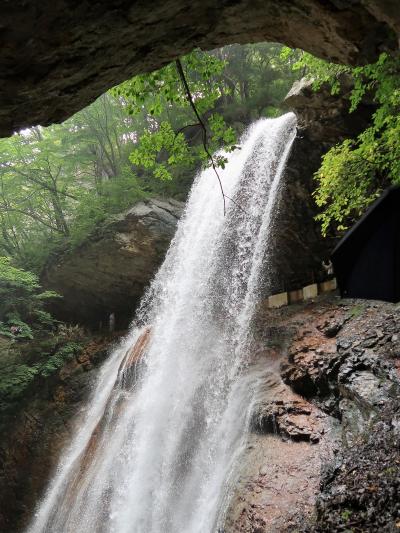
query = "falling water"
x=166 y=422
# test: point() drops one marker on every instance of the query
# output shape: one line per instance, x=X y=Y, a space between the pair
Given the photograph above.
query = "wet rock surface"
x=280 y=411
x=360 y=490
x=273 y=490
x=110 y=270
x=324 y=450
x=324 y=117
x=57 y=57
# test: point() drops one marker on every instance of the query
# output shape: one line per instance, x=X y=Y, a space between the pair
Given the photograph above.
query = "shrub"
x=22 y=302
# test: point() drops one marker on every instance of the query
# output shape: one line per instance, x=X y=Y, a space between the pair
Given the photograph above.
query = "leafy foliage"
x=161 y=89
x=164 y=147
x=51 y=178
x=235 y=82
x=354 y=173
x=21 y=302
x=15 y=384
x=17 y=378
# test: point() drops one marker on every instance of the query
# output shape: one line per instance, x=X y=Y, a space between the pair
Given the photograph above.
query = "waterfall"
x=166 y=423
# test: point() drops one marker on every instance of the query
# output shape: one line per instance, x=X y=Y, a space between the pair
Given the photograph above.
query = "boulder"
x=109 y=271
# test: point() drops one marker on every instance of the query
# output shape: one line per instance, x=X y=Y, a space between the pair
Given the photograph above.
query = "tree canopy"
x=58 y=183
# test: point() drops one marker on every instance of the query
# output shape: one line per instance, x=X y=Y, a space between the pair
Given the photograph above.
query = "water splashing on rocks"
x=166 y=423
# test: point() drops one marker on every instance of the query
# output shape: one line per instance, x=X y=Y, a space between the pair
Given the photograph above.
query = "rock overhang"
x=57 y=57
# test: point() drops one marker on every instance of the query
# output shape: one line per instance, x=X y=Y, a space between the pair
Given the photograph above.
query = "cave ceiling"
x=57 y=56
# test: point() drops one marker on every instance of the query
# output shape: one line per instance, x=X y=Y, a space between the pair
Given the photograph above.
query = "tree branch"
x=39 y=182
x=202 y=125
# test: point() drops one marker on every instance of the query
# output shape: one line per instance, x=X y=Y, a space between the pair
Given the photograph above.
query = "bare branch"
x=202 y=125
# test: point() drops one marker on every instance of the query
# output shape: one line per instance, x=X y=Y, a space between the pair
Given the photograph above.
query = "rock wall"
x=323 y=451
x=57 y=57
x=110 y=270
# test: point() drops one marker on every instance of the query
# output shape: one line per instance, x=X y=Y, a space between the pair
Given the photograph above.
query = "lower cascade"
x=159 y=442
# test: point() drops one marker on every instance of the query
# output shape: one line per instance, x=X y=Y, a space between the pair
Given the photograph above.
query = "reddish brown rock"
x=127 y=374
x=335 y=393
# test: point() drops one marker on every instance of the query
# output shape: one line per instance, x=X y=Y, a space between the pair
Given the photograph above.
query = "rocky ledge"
x=323 y=453
x=324 y=117
x=323 y=448
x=109 y=271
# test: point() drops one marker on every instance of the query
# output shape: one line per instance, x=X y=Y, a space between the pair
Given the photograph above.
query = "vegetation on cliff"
x=22 y=303
x=354 y=173
x=27 y=365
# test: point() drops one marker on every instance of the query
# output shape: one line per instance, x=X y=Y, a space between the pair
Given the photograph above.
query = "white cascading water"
x=166 y=423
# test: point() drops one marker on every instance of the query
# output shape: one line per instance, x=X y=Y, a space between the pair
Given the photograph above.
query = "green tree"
x=163 y=95
x=57 y=183
x=230 y=87
x=36 y=188
x=141 y=139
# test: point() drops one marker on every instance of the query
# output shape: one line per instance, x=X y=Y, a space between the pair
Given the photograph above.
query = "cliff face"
x=57 y=57
x=323 y=452
x=109 y=271
x=323 y=121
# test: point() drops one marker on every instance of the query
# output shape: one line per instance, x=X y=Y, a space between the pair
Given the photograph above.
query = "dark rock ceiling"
x=57 y=56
